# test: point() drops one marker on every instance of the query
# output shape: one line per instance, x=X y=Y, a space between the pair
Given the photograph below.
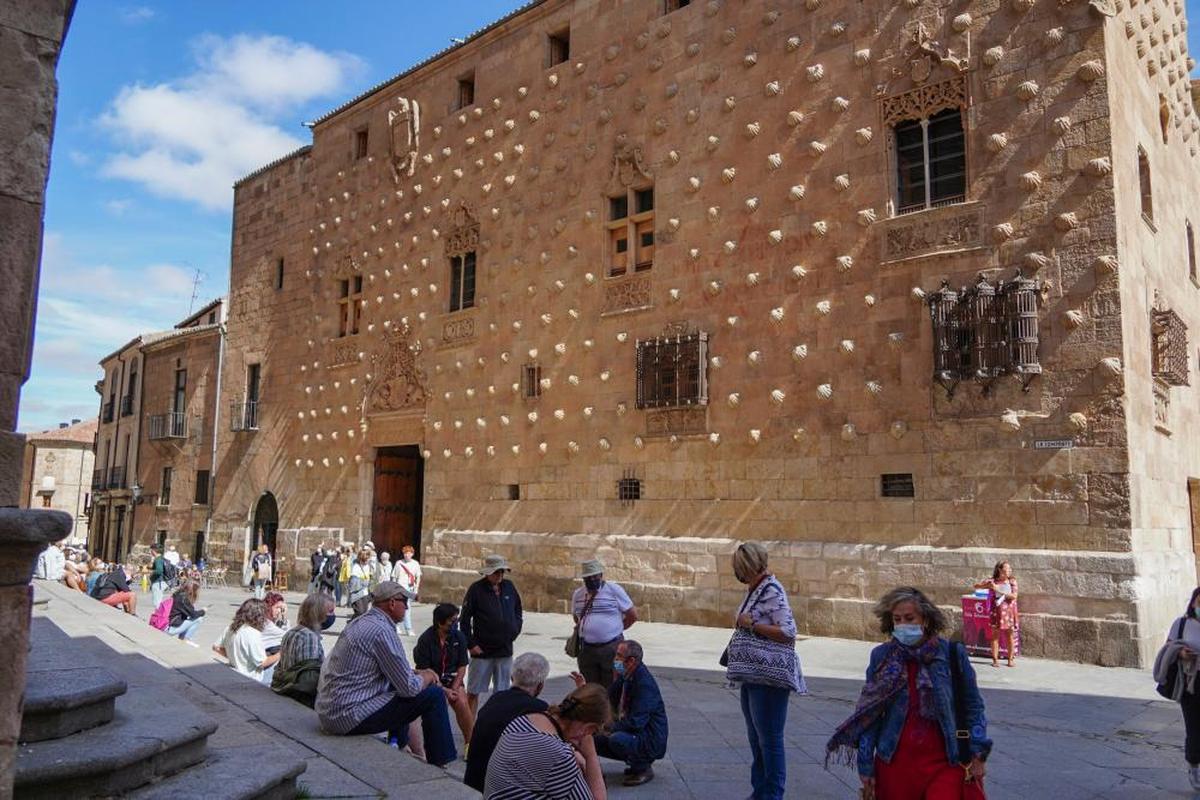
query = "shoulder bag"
x=751 y=658
x=574 y=641
x=1167 y=687
x=962 y=733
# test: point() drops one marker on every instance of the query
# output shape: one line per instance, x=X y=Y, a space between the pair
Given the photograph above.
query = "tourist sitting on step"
x=277 y=624
x=639 y=733
x=112 y=589
x=367 y=685
x=185 y=617
x=242 y=642
x=529 y=673
x=95 y=571
x=552 y=753
x=298 y=671
x=443 y=648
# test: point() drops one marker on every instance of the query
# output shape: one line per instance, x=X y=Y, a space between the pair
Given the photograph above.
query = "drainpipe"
x=212 y=467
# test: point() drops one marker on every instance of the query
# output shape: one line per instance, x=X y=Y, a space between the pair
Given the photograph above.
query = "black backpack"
x=170 y=572
x=1167 y=687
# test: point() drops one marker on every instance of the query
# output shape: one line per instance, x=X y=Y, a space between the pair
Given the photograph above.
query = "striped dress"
x=529 y=764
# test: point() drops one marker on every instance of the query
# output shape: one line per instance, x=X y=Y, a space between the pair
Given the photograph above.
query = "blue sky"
x=161 y=107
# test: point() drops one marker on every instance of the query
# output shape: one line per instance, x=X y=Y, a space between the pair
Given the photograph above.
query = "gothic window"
x=931 y=161
x=1169 y=351
x=466 y=91
x=984 y=331
x=559 y=47
x=1144 y=186
x=672 y=371
x=462 y=281
x=349 y=305
x=631 y=236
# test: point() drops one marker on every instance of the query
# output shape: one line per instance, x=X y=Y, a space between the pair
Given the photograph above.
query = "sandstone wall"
x=764 y=132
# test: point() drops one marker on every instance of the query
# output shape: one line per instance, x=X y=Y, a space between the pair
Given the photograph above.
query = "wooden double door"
x=399 y=492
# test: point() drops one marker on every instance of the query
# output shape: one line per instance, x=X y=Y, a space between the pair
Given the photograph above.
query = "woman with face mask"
x=761 y=658
x=301 y=651
x=919 y=730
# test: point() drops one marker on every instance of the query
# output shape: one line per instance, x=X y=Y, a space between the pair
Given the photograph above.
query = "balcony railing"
x=127 y=405
x=243 y=416
x=172 y=425
x=116 y=477
x=106 y=413
x=98 y=480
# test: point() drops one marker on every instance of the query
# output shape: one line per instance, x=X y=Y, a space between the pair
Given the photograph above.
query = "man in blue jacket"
x=639 y=731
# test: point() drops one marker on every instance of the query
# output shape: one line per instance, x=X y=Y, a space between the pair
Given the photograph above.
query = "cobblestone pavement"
x=1061 y=730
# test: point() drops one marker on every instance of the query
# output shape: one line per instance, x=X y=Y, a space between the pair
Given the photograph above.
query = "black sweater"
x=181 y=609
x=490 y=621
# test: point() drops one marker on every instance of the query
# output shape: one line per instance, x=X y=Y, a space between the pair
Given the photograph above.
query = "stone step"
x=67 y=701
x=242 y=773
x=153 y=734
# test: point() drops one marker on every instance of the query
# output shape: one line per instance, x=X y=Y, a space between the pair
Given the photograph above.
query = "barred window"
x=349 y=305
x=984 y=331
x=629 y=488
x=931 y=161
x=672 y=371
x=531 y=380
x=1168 y=336
x=466 y=91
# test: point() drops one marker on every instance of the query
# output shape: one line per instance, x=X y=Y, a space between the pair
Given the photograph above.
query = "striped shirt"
x=300 y=644
x=529 y=764
x=365 y=670
x=605 y=620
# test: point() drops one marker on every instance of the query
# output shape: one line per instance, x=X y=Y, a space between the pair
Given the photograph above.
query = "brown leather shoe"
x=638 y=778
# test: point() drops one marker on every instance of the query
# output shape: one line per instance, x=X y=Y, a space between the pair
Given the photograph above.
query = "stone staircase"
x=84 y=735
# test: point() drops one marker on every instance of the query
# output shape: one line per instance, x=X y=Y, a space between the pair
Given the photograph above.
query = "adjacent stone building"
x=900 y=289
x=57 y=472
x=155 y=439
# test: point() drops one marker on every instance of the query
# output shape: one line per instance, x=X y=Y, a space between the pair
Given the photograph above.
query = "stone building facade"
x=154 y=446
x=57 y=472
x=900 y=289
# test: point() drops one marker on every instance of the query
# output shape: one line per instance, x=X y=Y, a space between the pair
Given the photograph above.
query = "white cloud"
x=191 y=139
x=118 y=207
x=79 y=158
x=137 y=15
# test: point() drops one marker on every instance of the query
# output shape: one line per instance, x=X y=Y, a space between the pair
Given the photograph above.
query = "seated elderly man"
x=529 y=672
x=639 y=731
x=367 y=685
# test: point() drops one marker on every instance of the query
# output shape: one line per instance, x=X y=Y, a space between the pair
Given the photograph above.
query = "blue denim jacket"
x=882 y=738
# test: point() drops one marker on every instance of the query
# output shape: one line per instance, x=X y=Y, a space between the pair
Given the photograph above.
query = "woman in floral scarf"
x=903 y=733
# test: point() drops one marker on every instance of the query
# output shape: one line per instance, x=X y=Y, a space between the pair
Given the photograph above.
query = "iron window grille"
x=897 y=484
x=629 y=488
x=1169 y=348
x=531 y=381
x=984 y=331
x=672 y=371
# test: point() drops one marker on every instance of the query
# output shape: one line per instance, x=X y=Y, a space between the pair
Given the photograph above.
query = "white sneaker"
x=1194 y=777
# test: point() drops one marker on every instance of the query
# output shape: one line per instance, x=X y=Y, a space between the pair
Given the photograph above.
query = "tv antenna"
x=196 y=278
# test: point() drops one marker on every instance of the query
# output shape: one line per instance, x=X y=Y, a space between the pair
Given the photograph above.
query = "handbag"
x=750 y=658
x=1167 y=687
x=574 y=641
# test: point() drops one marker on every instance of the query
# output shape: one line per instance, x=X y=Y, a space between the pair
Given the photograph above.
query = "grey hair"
x=633 y=649
x=749 y=559
x=935 y=620
x=530 y=670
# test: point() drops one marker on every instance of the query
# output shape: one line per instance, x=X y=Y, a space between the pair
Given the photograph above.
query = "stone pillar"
x=31 y=35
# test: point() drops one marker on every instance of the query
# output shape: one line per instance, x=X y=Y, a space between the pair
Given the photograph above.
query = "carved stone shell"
x=824 y=307
x=1107 y=263
x=815 y=73
x=825 y=391
x=714 y=213
x=794 y=118
x=812 y=5
x=997 y=142
x=874 y=388
x=837 y=30
x=714 y=287
x=733 y=399
x=862 y=57
x=992 y=56
x=839 y=104
x=869 y=300
x=775 y=236
x=845 y=263
x=866 y=217
x=714 y=438
x=1090 y=71
x=793 y=44
x=1062 y=125
x=753 y=129
x=846 y=346
x=1028 y=90
x=917 y=294
x=775 y=161
x=1054 y=36
x=1111 y=365
x=863 y=136
x=1073 y=318
x=962 y=22
x=896 y=339
x=799 y=272
x=1031 y=181
x=754 y=357
x=1002 y=232
x=755 y=435
x=849 y=432
x=1037 y=260
x=1099 y=167
x=799 y=433
x=730 y=103
x=772 y=89
x=712 y=143
x=751 y=204
x=1078 y=421
x=797 y=192
x=897 y=429
x=1010 y=420
x=842 y=182
x=1067 y=221
x=777 y=314
x=820 y=227
x=778 y=396
x=728 y=174
x=694 y=183
x=817 y=147
x=800 y=352
x=750 y=59
x=1022 y=6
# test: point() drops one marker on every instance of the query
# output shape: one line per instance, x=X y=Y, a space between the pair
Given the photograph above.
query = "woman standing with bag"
x=761 y=656
x=1175 y=670
x=918 y=731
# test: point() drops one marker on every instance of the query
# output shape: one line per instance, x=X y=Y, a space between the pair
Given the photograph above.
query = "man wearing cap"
x=491 y=619
x=603 y=612
x=367 y=685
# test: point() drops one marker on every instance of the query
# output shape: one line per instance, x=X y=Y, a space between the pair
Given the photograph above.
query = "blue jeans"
x=765 y=709
x=430 y=706
x=157 y=590
x=185 y=630
x=406 y=623
x=621 y=746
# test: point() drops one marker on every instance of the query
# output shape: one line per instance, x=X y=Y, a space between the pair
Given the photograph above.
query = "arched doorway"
x=266 y=522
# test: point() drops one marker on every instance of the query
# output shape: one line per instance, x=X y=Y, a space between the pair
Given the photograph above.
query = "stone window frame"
x=360 y=141
x=1146 y=187
x=531 y=380
x=463 y=273
x=558 y=46
x=1190 y=240
x=671 y=6
x=164 y=486
x=684 y=357
x=635 y=223
x=464 y=92
x=203 y=481
x=350 y=292
x=919 y=105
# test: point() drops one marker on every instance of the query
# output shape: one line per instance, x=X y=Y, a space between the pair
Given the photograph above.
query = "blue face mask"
x=619 y=667
x=328 y=623
x=908 y=635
